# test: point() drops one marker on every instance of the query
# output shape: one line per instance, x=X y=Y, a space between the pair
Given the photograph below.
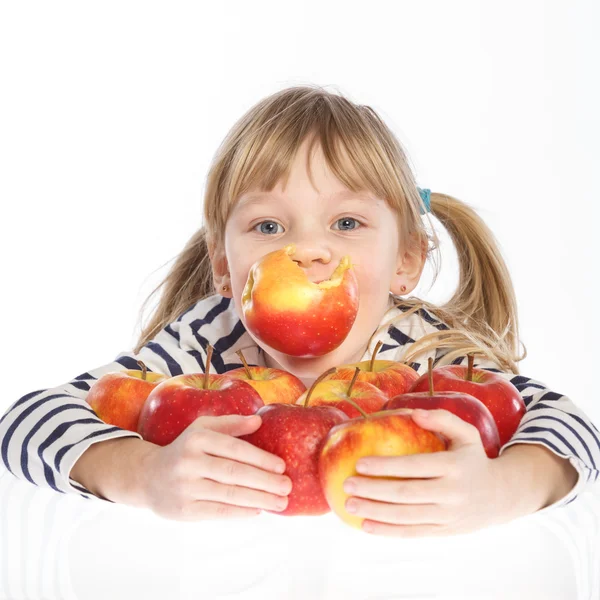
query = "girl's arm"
x=44 y=433
x=114 y=470
x=552 y=423
x=534 y=478
x=555 y=438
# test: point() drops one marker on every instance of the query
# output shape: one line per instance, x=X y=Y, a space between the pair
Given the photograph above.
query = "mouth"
x=329 y=282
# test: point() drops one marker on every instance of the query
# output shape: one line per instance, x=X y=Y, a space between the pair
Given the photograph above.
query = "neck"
x=308 y=376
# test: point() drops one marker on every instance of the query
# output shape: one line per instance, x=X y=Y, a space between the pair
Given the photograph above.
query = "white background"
x=110 y=114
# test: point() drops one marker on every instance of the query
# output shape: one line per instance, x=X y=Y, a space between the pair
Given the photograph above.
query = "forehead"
x=254 y=198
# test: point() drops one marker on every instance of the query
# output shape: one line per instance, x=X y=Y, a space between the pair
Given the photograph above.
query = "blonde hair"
x=362 y=152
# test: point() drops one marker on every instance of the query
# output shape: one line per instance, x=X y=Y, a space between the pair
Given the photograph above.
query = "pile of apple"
x=349 y=412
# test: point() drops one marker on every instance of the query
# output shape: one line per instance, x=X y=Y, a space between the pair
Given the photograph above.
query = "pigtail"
x=481 y=316
x=189 y=281
x=485 y=295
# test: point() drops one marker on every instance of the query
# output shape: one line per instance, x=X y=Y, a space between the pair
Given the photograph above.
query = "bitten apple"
x=330 y=392
x=463 y=405
x=291 y=314
x=387 y=433
x=390 y=376
x=117 y=398
x=296 y=434
x=177 y=402
x=499 y=395
x=273 y=385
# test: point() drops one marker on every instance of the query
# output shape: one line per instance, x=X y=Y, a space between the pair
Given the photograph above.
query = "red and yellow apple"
x=291 y=314
x=390 y=376
x=463 y=405
x=273 y=385
x=331 y=392
x=387 y=433
x=498 y=394
x=296 y=434
x=177 y=402
x=117 y=398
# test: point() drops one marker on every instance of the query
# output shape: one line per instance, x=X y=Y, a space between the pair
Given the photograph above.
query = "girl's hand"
x=206 y=472
x=444 y=493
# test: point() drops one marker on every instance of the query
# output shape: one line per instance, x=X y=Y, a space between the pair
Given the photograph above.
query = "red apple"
x=330 y=392
x=499 y=395
x=296 y=316
x=117 y=398
x=463 y=405
x=273 y=385
x=177 y=402
x=387 y=433
x=296 y=433
x=390 y=376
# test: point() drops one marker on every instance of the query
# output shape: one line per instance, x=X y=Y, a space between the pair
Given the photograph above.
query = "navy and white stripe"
x=44 y=433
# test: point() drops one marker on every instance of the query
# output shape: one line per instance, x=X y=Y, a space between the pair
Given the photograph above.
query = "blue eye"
x=348 y=219
x=270 y=229
x=265 y=230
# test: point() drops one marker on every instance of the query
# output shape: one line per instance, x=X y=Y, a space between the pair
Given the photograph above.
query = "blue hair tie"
x=426 y=197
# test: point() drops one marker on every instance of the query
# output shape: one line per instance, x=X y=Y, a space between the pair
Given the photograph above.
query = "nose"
x=307 y=253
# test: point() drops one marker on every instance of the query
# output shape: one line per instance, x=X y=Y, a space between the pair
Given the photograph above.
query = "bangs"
x=351 y=150
x=358 y=148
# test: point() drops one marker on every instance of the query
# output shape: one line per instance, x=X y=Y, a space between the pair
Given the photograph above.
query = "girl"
x=309 y=167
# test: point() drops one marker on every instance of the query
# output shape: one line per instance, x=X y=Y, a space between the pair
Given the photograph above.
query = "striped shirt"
x=43 y=433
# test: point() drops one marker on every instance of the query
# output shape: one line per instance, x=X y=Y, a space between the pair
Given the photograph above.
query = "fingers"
x=240 y=496
x=396 y=514
x=229 y=424
x=203 y=509
x=414 y=466
x=226 y=446
x=235 y=473
x=412 y=491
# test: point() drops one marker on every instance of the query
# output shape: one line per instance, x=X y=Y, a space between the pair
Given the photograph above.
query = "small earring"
x=225 y=288
x=403 y=289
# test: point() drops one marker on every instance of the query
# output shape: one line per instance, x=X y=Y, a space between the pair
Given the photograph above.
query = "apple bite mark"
x=293 y=315
x=337 y=276
x=247 y=291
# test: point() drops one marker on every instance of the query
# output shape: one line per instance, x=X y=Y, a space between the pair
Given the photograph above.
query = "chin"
x=311 y=368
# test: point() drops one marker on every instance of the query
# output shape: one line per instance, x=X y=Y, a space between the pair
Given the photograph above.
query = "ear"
x=220 y=269
x=409 y=269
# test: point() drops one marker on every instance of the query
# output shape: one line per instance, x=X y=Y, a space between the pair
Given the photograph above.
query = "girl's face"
x=325 y=225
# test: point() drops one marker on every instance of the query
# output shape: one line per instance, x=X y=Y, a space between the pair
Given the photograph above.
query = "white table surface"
x=57 y=546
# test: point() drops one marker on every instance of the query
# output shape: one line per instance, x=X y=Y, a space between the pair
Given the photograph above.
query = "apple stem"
x=317 y=380
x=139 y=362
x=471 y=358
x=372 y=363
x=430 y=371
x=357 y=407
x=246 y=367
x=209 y=353
x=356 y=372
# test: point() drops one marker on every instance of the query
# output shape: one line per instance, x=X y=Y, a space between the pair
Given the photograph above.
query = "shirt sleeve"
x=554 y=421
x=44 y=433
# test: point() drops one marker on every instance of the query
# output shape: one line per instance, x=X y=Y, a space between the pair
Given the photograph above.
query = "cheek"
x=239 y=278
x=372 y=281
